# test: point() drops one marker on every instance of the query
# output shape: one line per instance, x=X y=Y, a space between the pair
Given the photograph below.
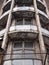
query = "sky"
x=47 y=1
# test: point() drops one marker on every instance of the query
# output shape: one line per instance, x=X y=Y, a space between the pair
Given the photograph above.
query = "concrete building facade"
x=24 y=33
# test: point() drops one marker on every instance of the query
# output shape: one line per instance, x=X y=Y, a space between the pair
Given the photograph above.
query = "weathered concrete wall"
x=47 y=1
x=1 y=1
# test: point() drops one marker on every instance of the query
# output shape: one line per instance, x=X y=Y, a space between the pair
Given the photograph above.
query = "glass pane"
x=17 y=62
x=28 y=44
x=7 y=63
x=37 y=62
x=19 y=21
x=22 y=62
x=28 y=21
x=18 y=44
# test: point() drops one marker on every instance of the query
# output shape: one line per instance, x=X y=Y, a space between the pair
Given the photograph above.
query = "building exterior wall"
x=24 y=32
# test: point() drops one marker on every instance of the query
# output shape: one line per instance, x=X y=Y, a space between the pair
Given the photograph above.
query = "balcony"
x=25 y=11
x=24 y=28
x=22 y=3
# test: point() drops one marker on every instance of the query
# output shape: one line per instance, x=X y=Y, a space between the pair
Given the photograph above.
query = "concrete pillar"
x=5 y=39
x=41 y=42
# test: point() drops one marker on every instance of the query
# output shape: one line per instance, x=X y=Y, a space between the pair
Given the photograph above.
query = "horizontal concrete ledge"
x=10 y=1
x=25 y=28
x=31 y=9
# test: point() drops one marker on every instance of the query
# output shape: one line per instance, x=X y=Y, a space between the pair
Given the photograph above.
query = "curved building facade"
x=24 y=33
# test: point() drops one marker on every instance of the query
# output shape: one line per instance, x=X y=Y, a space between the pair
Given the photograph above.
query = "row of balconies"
x=25 y=32
x=26 y=3
x=24 y=28
x=26 y=12
x=22 y=8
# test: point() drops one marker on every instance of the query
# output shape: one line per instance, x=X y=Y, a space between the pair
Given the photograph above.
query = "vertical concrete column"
x=46 y=7
x=41 y=42
x=5 y=39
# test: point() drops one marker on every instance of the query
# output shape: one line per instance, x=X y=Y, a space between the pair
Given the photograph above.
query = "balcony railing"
x=18 y=9
x=23 y=28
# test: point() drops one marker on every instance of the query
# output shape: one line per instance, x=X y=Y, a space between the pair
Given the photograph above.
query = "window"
x=22 y=54
x=28 y=21
x=37 y=62
x=23 y=49
x=7 y=62
x=23 y=44
x=18 y=44
x=24 y=21
x=19 y=21
x=23 y=62
x=24 y=2
x=28 y=44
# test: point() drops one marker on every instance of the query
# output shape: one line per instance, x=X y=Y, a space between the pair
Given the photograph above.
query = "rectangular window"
x=23 y=49
x=24 y=2
x=28 y=44
x=18 y=44
x=22 y=62
x=28 y=21
x=19 y=21
x=24 y=21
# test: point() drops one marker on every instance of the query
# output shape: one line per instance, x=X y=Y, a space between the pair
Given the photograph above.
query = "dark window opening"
x=24 y=21
x=19 y=21
x=28 y=44
x=18 y=44
x=28 y=21
x=23 y=2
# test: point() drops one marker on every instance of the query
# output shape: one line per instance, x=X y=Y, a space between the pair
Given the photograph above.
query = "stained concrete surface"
x=1 y=1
